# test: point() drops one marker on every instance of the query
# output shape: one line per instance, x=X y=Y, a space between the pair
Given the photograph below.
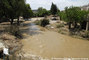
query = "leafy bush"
x=44 y=22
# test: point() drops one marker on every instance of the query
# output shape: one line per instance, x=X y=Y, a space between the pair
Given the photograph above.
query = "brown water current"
x=50 y=44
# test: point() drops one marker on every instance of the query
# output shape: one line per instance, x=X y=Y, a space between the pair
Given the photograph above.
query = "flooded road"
x=50 y=44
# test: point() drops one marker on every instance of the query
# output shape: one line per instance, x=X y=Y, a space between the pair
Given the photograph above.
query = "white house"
x=85 y=7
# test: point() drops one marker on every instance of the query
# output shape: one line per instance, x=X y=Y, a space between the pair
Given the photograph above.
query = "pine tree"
x=53 y=9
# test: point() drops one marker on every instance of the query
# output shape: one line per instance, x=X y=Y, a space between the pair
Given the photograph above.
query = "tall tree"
x=4 y=7
x=27 y=12
x=54 y=9
x=20 y=9
x=12 y=9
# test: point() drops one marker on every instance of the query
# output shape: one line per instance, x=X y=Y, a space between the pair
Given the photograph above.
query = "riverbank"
x=9 y=40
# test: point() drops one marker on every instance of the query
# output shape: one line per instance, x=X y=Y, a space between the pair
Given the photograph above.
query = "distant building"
x=35 y=11
x=85 y=7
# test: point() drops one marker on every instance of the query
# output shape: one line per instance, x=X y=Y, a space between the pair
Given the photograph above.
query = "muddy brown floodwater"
x=50 y=44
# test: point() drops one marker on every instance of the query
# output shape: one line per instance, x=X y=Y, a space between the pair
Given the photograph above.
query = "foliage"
x=73 y=15
x=42 y=12
x=62 y=15
x=44 y=22
x=12 y=9
x=28 y=12
x=54 y=9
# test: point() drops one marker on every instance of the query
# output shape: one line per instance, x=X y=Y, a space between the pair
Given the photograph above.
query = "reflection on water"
x=14 y=30
x=31 y=29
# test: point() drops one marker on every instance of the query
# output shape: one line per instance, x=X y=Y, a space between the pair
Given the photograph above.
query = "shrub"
x=63 y=31
x=86 y=34
x=44 y=22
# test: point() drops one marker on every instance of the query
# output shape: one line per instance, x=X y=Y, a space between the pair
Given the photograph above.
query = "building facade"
x=85 y=7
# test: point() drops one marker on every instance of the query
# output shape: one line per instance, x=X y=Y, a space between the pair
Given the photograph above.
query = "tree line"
x=13 y=9
x=43 y=12
x=74 y=16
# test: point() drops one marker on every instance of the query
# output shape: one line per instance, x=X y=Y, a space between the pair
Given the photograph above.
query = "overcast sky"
x=61 y=4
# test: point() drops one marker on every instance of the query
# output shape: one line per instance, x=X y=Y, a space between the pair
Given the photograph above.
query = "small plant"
x=59 y=31
x=60 y=25
x=38 y=22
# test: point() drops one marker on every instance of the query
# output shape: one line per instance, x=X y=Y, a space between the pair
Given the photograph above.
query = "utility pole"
x=87 y=24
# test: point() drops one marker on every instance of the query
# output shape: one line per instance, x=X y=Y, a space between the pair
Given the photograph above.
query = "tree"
x=54 y=9
x=12 y=9
x=62 y=15
x=73 y=15
x=28 y=6
x=20 y=9
x=4 y=7
x=42 y=12
x=27 y=12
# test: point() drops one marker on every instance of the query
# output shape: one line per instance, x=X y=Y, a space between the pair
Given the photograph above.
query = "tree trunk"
x=11 y=21
x=18 y=21
x=87 y=26
x=75 y=24
x=69 y=25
